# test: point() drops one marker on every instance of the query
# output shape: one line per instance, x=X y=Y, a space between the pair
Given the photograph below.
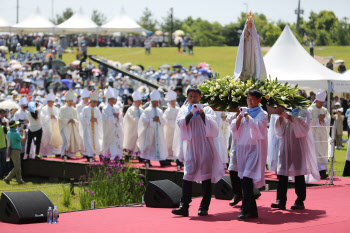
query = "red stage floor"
x=327 y=211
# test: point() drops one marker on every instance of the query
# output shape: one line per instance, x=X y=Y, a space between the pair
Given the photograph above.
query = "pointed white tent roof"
x=78 y=22
x=289 y=62
x=34 y=23
x=4 y=25
x=121 y=23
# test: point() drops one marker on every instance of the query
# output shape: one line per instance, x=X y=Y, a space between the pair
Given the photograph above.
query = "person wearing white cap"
x=170 y=115
x=68 y=120
x=222 y=140
x=34 y=130
x=51 y=142
x=319 y=116
x=337 y=115
x=85 y=95
x=130 y=121
x=21 y=115
x=112 y=130
x=151 y=139
x=91 y=120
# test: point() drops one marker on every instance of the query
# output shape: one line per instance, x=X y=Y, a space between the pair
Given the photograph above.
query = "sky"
x=223 y=11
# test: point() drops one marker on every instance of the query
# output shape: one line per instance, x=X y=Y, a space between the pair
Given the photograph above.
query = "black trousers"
x=187 y=193
x=236 y=183
x=300 y=189
x=248 y=201
x=36 y=135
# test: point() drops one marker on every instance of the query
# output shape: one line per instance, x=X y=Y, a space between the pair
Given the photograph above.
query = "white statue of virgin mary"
x=249 y=61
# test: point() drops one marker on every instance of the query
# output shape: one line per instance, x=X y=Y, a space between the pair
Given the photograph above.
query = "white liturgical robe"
x=51 y=142
x=221 y=141
x=130 y=122
x=92 y=131
x=170 y=115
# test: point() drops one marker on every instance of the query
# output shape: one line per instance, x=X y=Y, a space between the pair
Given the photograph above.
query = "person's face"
x=85 y=100
x=252 y=101
x=23 y=107
x=348 y=96
x=111 y=101
x=70 y=103
x=137 y=103
x=336 y=98
x=194 y=97
x=249 y=24
x=2 y=114
x=93 y=103
x=50 y=103
x=172 y=103
x=319 y=104
x=155 y=104
x=129 y=101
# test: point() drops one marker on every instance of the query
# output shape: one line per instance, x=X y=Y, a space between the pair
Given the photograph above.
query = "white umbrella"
x=9 y=104
x=76 y=62
x=138 y=68
x=117 y=64
x=16 y=66
x=13 y=62
x=179 y=33
x=126 y=65
x=3 y=48
x=158 y=33
x=339 y=61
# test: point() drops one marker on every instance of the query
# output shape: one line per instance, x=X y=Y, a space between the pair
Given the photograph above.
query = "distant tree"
x=98 y=17
x=147 y=21
x=66 y=14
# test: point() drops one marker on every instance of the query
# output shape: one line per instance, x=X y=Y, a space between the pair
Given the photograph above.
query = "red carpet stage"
x=327 y=210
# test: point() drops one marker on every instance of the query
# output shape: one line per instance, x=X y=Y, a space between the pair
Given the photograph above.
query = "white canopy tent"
x=34 y=23
x=289 y=62
x=4 y=25
x=78 y=23
x=121 y=23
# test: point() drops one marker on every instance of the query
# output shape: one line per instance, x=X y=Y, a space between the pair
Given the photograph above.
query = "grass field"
x=221 y=59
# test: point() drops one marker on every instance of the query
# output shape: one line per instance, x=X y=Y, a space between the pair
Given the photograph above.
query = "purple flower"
x=142 y=176
x=140 y=184
x=117 y=158
x=86 y=190
x=92 y=193
x=83 y=183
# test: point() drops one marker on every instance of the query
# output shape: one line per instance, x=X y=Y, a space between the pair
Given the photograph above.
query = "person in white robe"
x=202 y=162
x=222 y=140
x=273 y=145
x=346 y=171
x=68 y=121
x=296 y=156
x=170 y=115
x=320 y=118
x=249 y=61
x=250 y=131
x=112 y=131
x=130 y=121
x=91 y=121
x=85 y=95
x=21 y=115
x=151 y=139
x=51 y=142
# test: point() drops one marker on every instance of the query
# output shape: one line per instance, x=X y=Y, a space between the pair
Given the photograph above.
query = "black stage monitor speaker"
x=223 y=189
x=24 y=207
x=163 y=194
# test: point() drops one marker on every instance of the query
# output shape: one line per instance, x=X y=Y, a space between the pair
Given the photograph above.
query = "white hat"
x=63 y=98
x=94 y=96
x=340 y=109
x=14 y=92
x=170 y=95
x=321 y=95
x=116 y=93
x=51 y=97
x=337 y=103
x=109 y=93
x=85 y=93
x=23 y=101
x=77 y=86
x=69 y=95
x=136 y=96
x=155 y=95
x=37 y=98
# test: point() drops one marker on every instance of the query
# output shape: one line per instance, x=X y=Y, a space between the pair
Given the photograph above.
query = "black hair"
x=12 y=123
x=129 y=97
x=178 y=88
x=194 y=89
x=254 y=92
x=34 y=115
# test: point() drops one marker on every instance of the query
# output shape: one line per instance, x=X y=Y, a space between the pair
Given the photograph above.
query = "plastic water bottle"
x=55 y=215
x=49 y=215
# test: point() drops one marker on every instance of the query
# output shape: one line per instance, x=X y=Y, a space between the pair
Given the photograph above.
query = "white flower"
x=217 y=86
x=230 y=85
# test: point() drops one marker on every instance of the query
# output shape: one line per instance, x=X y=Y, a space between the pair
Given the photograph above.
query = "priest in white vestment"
x=91 y=121
x=170 y=115
x=296 y=156
x=68 y=120
x=202 y=163
x=130 y=122
x=82 y=104
x=222 y=140
x=112 y=131
x=320 y=118
x=151 y=140
x=51 y=142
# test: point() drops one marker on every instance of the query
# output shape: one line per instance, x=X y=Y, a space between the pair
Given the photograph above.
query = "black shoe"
x=249 y=215
x=278 y=205
x=235 y=200
x=182 y=210
x=202 y=212
x=298 y=207
x=6 y=181
x=241 y=215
